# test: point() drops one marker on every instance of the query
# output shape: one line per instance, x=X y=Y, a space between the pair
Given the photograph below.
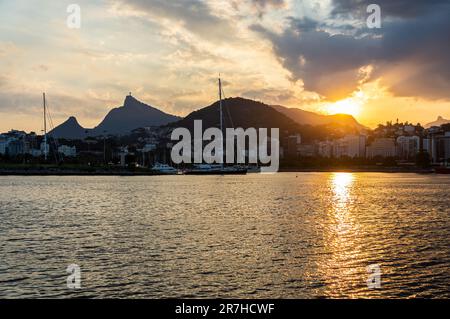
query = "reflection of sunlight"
x=341 y=184
x=340 y=234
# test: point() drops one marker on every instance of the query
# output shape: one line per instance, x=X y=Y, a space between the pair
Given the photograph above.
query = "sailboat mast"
x=45 y=127
x=221 y=112
x=220 y=103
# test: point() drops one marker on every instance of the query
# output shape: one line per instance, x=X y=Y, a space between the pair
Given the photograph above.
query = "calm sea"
x=288 y=235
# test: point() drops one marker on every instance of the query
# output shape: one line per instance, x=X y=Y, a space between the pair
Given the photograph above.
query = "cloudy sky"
x=314 y=55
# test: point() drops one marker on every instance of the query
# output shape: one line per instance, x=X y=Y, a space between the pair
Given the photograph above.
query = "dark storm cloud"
x=329 y=63
x=424 y=45
x=394 y=8
x=196 y=16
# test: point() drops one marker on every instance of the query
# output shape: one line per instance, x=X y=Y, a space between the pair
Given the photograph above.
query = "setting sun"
x=348 y=106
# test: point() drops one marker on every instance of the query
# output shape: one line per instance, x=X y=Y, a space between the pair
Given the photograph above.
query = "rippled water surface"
x=287 y=235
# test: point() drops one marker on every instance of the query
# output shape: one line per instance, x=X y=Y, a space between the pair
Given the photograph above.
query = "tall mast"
x=221 y=113
x=220 y=103
x=45 y=128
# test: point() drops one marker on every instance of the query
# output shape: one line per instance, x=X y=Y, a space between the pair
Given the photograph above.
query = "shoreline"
x=358 y=170
x=99 y=172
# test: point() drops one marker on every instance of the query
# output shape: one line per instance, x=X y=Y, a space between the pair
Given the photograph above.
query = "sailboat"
x=217 y=169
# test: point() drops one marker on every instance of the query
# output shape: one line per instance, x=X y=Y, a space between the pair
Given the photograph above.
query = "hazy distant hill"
x=310 y=118
x=440 y=121
x=70 y=129
x=239 y=112
x=119 y=121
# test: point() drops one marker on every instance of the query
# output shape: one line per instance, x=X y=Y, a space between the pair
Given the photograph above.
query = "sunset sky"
x=314 y=55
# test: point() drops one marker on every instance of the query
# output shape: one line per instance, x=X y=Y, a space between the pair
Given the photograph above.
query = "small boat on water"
x=164 y=169
x=209 y=169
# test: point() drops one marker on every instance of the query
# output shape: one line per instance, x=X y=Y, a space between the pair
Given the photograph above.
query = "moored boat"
x=208 y=169
x=164 y=169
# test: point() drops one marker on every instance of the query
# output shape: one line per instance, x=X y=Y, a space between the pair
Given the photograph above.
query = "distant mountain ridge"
x=238 y=112
x=119 y=121
x=303 y=117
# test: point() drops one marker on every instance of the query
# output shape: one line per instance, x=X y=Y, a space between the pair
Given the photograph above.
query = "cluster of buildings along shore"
x=406 y=145
x=17 y=143
x=400 y=141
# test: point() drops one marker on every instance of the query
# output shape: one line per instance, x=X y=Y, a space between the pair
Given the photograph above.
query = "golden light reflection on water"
x=341 y=186
x=290 y=235
x=339 y=235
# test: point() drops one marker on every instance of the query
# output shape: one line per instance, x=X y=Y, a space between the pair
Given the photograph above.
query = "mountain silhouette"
x=119 y=121
x=440 y=121
x=245 y=113
x=70 y=129
x=132 y=115
x=239 y=112
x=310 y=118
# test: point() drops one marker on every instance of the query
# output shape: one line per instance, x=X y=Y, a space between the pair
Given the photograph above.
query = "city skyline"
x=317 y=56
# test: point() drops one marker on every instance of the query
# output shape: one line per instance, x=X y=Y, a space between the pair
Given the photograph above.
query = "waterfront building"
x=67 y=150
x=15 y=148
x=306 y=150
x=325 y=148
x=3 y=144
x=294 y=145
x=383 y=147
x=439 y=146
x=44 y=148
x=350 y=146
x=408 y=147
x=426 y=145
